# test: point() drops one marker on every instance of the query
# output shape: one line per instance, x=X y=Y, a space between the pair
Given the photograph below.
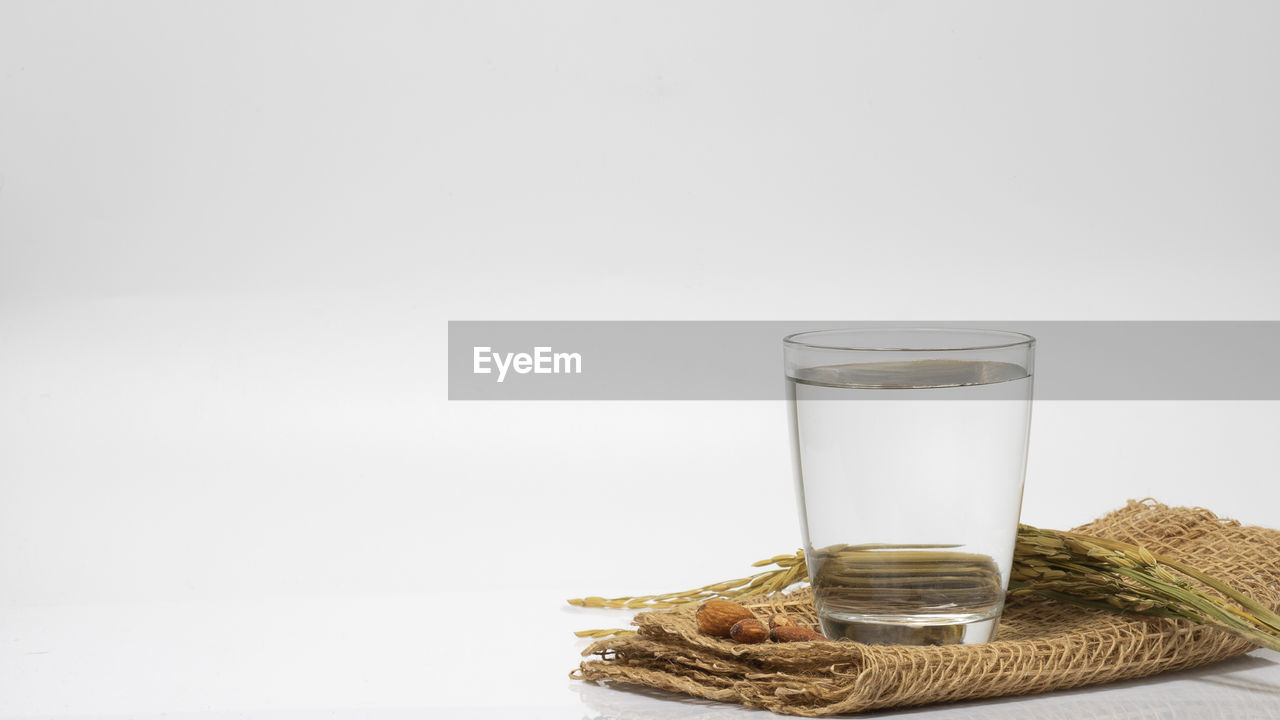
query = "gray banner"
x=714 y=360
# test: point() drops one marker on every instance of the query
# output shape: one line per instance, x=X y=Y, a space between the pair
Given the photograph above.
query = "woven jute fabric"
x=1041 y=645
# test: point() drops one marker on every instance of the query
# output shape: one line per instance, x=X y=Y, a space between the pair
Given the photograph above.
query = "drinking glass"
x=910 y=450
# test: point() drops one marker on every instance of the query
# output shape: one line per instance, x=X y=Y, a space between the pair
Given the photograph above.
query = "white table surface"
x=417 y=656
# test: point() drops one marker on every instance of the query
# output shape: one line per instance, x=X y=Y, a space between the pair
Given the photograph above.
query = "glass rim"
x=1013 y=338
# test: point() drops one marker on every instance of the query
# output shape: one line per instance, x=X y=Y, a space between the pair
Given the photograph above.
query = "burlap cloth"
x=1042 y=645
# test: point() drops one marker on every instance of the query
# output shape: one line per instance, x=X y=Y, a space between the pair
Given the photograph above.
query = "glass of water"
x=910 y=449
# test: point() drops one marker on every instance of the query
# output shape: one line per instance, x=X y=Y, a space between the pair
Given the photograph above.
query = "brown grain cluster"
x=725 y=618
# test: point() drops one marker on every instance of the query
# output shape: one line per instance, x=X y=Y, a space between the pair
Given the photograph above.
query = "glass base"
x=906 y=630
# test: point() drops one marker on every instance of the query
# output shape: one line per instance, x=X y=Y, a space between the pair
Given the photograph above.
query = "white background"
x=231 y=235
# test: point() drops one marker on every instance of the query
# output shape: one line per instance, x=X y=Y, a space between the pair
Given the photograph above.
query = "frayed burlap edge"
x=1042 y=645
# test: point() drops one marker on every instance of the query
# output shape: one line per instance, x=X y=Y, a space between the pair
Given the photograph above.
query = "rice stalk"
x=1069 y=567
